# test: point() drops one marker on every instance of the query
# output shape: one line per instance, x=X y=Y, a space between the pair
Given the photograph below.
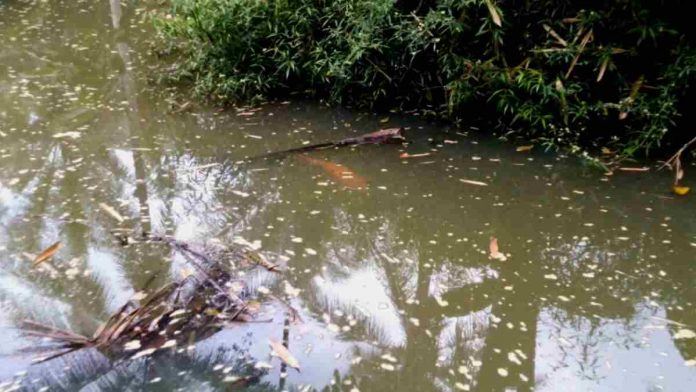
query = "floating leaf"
x=183 y=107
x=524 y=148
x=259 y=259
x=284 y=354
x=495 y=16
x=494 y=251
x=680 y=190
x=111 y=211
x=46 y=254
x=406 y=155
x=606 y=151
x=472 y=182
x=384 y=120
x=685 y=334
x=634 y=169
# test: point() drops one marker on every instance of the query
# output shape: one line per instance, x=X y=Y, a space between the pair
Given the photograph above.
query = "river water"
x=386 y=258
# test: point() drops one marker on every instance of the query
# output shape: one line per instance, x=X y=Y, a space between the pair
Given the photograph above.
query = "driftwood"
x=383 y=136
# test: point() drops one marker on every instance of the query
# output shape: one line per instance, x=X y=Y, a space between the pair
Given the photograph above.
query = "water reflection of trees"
x=461 y=317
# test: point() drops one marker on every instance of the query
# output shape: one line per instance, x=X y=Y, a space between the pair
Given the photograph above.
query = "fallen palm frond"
x=176 y=314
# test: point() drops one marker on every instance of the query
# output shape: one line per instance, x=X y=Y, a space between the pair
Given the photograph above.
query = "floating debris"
x=495 y=253
x=406 y=155
x=472 y=182
x=284 y=354
x=111 y=211
x=192 y=308
x=46 y=254
x=634 y=169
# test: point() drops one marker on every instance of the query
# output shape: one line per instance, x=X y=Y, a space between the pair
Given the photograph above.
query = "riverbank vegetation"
x=608 y=80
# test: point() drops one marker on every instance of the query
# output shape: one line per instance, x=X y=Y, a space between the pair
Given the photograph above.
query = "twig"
x=677 y=154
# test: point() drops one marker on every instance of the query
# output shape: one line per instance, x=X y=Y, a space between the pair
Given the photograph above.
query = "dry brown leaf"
x=472 y=182
x=183 y=107
x=494 y=251
x=555 y=35
x=678 y=171
x=583 y=43
x=495 y=16
x=524 y=148
x=259 y=259
x=46 y=254
x=606 y=151
x=602 y=69
x=111 y=211
x=632 y=96
x=634 y=169
x=284 y=354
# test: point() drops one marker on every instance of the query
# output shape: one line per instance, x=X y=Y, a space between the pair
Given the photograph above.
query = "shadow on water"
x=392 y=278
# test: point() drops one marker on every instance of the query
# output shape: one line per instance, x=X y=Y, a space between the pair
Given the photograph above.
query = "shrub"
x=581 y=75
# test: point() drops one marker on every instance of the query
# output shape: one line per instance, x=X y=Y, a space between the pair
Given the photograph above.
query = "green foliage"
x=581 y=75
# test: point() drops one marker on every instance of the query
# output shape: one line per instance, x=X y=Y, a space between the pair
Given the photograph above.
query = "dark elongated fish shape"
x=383 y=136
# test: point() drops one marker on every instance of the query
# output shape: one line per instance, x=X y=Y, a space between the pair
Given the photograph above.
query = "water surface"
x=389 y=266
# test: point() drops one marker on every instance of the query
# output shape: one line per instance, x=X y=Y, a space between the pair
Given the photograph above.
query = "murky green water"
x=389 y=267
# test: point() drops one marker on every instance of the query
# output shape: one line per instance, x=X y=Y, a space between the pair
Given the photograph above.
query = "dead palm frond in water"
x=179 y=313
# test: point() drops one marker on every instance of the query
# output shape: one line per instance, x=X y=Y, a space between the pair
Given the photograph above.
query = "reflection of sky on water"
x=363 y=292
x=648 y=361
x=397 y=290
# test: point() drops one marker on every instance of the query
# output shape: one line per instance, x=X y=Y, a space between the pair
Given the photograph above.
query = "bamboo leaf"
x=472 y=182
x=284 y=354
x=602 y=69
x=634 y=169
x=555 y=35
x=495 y=16
x=583 y=43
x=46 y=254
x=111 y=211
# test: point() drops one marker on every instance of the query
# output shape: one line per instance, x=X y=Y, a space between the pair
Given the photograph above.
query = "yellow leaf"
x=284 y=354
x=46 y=254
x=680 y=190
x=524 y=148
x=185 y=273
x=606 y=151
x=494 y=13
x=384 y=120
